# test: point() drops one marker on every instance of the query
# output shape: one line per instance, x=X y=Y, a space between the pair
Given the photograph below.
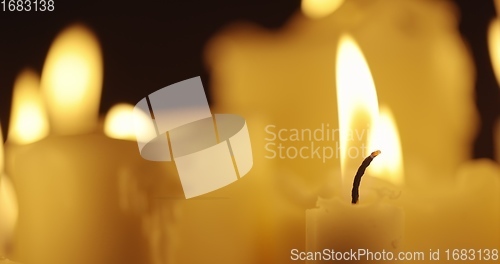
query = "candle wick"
x=359 y=174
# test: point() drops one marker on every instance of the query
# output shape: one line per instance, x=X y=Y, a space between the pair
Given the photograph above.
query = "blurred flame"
x=28 y=122
x=385 y=136
x=72 y=81
x=356 y=95
x=119 y=122
x=320 y=8
x=494 y=46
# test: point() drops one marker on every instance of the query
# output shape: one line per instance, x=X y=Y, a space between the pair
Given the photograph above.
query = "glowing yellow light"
x=120 y=122
x=356 y=96
x=494 y=46
x=385 y=136
x=320 y=8
x=28 y=122
x=72 y=81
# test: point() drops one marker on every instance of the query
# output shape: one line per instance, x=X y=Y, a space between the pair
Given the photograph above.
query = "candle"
x=8 y=206
x=69 y=182
x=373 y=231
x=409 y=45
x=154 y=197
x=459 y=214
x=375 y=226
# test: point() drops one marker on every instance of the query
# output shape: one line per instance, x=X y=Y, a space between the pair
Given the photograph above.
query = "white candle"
x=69 y=182
x=371 y=226
x=337 y=225
x=8 y=206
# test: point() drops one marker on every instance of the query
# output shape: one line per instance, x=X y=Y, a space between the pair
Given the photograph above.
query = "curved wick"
x=359 y=174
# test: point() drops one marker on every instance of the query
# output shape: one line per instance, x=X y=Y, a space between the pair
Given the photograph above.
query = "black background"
x=150 y=44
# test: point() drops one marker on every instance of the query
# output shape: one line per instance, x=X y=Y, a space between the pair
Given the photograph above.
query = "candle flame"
x=494 y=46
x=320 y=8
x=389 y=165
x=28 y=122
x=357 y=101
x=71 y=81
x=120 y=122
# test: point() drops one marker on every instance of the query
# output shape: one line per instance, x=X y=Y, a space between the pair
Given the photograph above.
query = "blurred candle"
x=68 y=181
x=409 y=45
x=459 y=214
x=8 y=206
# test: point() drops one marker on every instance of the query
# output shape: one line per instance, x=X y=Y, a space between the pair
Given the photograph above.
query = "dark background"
x=150 y=44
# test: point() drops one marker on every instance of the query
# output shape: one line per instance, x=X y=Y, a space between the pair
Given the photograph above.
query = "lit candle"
x=376 y=225
x=68 y=182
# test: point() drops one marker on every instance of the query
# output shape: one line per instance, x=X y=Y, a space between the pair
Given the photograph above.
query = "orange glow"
x=28 y=122
x=72 y=81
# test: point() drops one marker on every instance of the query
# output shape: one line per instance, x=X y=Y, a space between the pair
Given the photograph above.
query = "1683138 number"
x=27 y=5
